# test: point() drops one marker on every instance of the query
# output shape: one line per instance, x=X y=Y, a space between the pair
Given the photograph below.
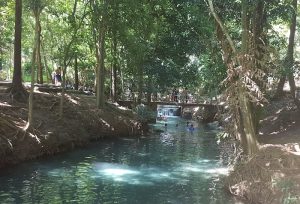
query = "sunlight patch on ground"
x=72 y=100
x=35 y=137
x=36 y=90
x=279 y=111
x=106 y=123
x=274 y=133
x=120 y=107
x=5 y=104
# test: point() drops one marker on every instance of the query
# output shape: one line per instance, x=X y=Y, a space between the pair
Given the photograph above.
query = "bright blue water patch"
x=173 y=165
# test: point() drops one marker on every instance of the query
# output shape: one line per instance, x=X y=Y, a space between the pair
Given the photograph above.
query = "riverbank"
x=272 y=176
x=81 y=124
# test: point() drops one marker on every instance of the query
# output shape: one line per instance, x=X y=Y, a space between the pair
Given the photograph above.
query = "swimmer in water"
x=191 y=128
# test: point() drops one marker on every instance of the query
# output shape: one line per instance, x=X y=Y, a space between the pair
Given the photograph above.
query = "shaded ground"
x=281 y=124
x=82 y=123
x=273 y=175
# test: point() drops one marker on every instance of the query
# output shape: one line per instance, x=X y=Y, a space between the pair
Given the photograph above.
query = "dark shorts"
x=58 y=77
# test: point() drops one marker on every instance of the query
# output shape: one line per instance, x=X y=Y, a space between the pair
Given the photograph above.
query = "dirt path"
x=281 y=124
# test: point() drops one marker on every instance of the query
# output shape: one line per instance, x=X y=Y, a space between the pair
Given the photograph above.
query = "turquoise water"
x=174 y=165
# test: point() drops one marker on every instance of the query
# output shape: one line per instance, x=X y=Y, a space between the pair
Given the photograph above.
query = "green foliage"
x=3 y=75
x=145 y=114
x=171 y=42
x=212 y=73
x=27 y=68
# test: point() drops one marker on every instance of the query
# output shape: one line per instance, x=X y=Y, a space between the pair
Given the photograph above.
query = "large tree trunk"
x=38 y=47
x=33 y=66
x=17 y=90
x=100 y=97
x=245 y=127
x=290 y=51
x=246 y=107
x=259 y=41
x=114 y=76
x=248 y=134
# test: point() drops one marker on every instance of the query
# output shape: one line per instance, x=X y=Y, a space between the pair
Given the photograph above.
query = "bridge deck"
x=156 y=103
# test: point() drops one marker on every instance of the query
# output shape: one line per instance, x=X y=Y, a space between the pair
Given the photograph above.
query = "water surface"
x=173 y=165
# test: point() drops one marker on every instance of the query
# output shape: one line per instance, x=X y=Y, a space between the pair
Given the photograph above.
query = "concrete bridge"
x=164 y=108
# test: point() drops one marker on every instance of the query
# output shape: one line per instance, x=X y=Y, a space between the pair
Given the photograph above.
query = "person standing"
x=175 y=94
x=58 y=76
x=185 y=95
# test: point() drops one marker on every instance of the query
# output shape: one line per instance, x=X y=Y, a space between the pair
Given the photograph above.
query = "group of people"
x=189 y=126
x=175 y=95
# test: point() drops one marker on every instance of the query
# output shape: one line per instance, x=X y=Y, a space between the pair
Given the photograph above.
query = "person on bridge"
x=175 y=95
x=185 y=95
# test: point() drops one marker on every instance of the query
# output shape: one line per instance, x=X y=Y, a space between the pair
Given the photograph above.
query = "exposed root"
x=266 y=177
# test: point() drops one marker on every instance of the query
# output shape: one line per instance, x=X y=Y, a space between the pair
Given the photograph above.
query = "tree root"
x=17 y=93
x=260 y=179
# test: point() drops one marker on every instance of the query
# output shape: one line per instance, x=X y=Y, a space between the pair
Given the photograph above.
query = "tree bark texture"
x=33 y=67
x=17 y=90
x=38 y=47
x=245 y=127
x=100 y=97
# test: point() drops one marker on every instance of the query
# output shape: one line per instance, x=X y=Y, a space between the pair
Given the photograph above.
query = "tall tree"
x=288 y=62
x=114 y=13
x=239 y=65
x=99 y=27
x=37 y=7
x=17 y=89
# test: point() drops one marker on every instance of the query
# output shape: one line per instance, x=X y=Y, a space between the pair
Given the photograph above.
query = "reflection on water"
x=169 y=166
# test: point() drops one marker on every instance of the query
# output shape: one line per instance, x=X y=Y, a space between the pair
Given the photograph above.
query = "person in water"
x=191 y=128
